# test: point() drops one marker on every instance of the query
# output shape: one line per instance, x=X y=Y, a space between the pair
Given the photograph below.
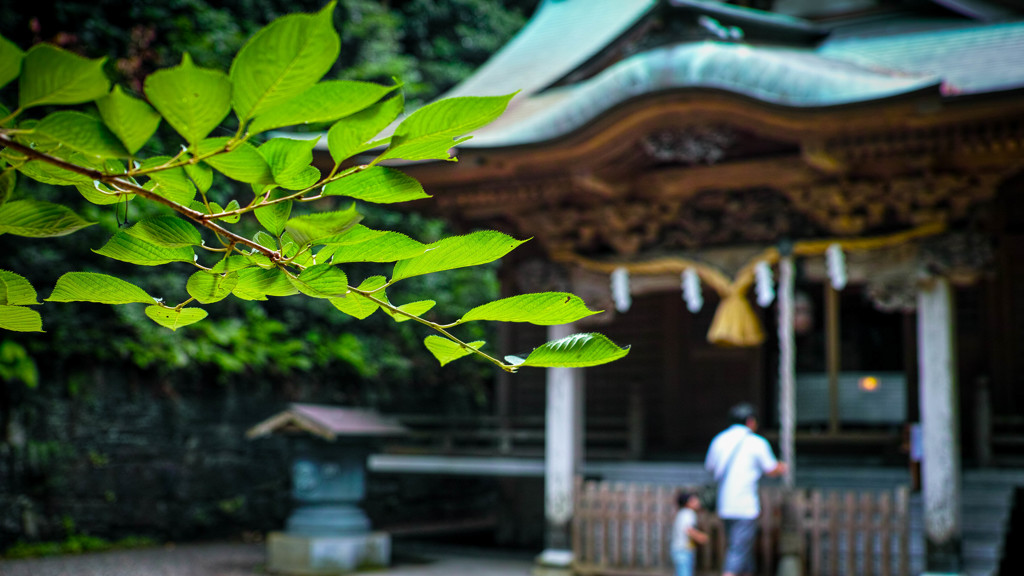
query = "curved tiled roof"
x=786 y=77
x=969 y=58
x=561 y=36
x=875 y=60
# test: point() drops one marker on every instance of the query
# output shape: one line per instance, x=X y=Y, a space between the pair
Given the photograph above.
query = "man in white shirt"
x=737 y=458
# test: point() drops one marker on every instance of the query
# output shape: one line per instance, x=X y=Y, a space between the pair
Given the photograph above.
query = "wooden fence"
x=624 y=529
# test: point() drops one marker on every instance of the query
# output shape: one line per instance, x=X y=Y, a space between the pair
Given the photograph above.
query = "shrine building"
x=816 y=207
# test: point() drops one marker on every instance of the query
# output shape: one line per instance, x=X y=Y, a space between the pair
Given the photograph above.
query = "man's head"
x=745 y=414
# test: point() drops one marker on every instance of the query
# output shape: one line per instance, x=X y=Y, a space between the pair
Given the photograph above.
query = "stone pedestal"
x=327 y=533
x=327 y=555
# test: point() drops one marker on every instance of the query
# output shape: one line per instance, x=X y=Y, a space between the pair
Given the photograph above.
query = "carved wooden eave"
x=690 y=170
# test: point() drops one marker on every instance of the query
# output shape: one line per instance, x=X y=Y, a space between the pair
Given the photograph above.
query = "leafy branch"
x=275 y=82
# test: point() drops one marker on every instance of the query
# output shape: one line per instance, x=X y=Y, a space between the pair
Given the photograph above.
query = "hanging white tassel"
x=620 y=289
x=691 y=290
x=765 y=287
x=836 y=261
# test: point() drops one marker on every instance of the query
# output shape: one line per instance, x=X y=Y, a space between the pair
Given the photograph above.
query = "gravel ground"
x=249 y=560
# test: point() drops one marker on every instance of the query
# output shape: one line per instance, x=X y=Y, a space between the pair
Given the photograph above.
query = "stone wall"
x=120 y=458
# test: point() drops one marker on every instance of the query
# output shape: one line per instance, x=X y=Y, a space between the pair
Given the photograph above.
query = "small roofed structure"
x=327 y=533
x=327 y=422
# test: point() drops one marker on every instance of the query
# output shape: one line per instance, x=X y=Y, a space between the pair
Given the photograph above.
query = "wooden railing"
x=519 y=435
x=624 y=528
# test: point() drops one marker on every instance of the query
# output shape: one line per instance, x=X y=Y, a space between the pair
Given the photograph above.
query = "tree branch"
x=204 y=220
x=433 y=326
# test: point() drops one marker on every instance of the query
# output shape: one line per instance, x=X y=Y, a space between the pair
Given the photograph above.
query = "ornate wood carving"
x=695 y=145
x=986 y=137
x=565 y=215
x=710 y=218
x=959 y=256
x=848 y=208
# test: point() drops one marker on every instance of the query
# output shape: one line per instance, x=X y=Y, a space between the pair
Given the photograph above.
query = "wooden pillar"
x=832 y=345
x=787 y=370
x=940 y=427
x=563 y=454
x=982 y=422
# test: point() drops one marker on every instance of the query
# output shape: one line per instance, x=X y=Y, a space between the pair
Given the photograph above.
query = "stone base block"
x=327 y=555
x=553 y=562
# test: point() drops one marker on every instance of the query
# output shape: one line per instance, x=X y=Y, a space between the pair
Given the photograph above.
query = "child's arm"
x=697 y=536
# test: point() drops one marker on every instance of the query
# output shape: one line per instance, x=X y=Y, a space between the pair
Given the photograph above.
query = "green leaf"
x=38 y=219
x=231 y=207
x=243 y=163
x=211 y=208
x=417 y=308
x=430 y=132
x=99 y=193
x=51 y=75
x=359 y=306
x=324 y=102
x=127 y=248
x=170 y=183
x=260 y=260
x=576 y=351
x=10 y=61
x=20 y=319
x=310 y=228
x=208 y=288
x=231 y=264
x=274 y=216
x=265 y=240
x=49 y=174
x=8 y=180
x=193 y=100
x=446 y=350
x=258 y=283
x=349 y=136
x=290 y=162
x=129 y=118
x=544 y=309
x=167 y=231
x=81 y=132
x=99 y=288
x=15 y=290
x=354 y=235
x=302 y=256
x=322 y=281
x=283 y=60
x=201 y=174
x=457 y=252
x=174 y=319
x=385 y=247
x=379 y=185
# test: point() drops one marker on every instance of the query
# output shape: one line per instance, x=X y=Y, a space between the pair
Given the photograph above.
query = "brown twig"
x=200 y=218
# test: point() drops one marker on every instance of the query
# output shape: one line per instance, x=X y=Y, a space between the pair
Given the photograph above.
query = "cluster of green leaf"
x=274 y=82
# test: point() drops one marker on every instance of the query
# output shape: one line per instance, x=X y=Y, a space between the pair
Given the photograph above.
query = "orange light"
x=868 y=384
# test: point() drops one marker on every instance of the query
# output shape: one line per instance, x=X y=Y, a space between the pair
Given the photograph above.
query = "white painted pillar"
x=787 y=370
x=563 y=454
x=940 y=426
